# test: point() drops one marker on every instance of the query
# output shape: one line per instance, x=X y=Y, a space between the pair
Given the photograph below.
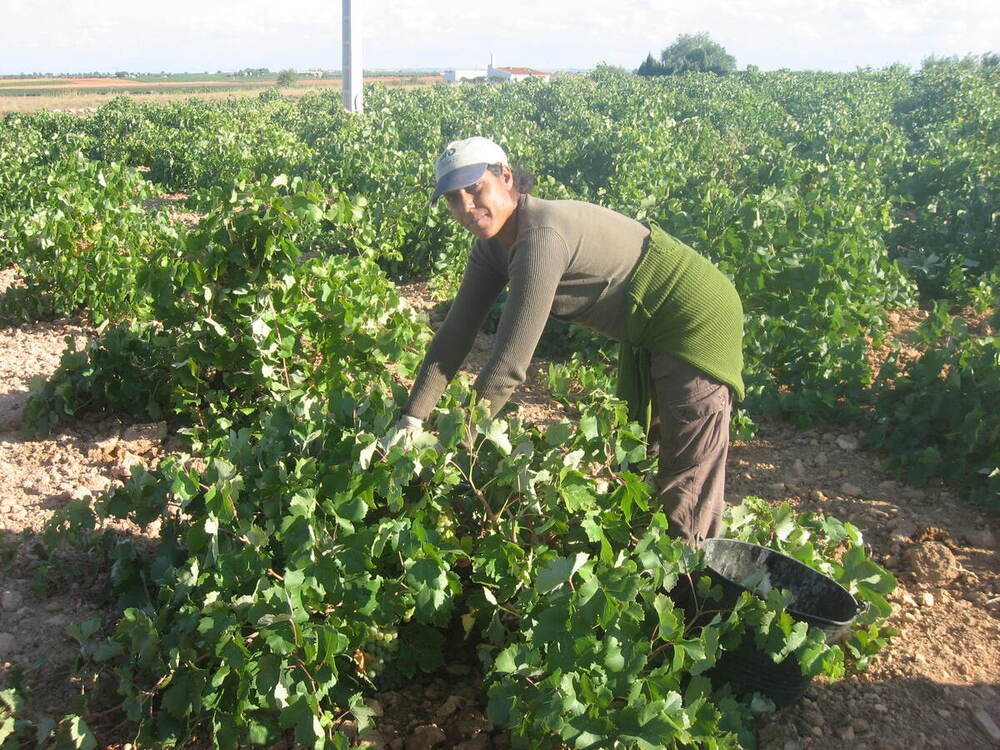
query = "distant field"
x=34 y=82
x=10 y=86
x=29 y=95
x=170 y=77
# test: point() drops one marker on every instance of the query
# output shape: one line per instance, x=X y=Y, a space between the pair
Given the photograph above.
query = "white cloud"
x=198 y=35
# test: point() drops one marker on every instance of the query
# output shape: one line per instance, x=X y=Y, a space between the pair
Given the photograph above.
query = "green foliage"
x=949 y=189
x=833 y=547
x=300 y=562
x=79 y=233
x=935 y=416
x=122 y=372
x=287 y=77
x=186 y=145
x=985 y=60
x=292 y=565
x=607 y=72
x=823 y=196
x=689 y=53
x=16 y=731
x=241 y=318
x=297 y=558
x=651 y=67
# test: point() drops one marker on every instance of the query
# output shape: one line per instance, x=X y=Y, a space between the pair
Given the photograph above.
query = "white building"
x=468 y=74
x=517 y=74
x=493 y=73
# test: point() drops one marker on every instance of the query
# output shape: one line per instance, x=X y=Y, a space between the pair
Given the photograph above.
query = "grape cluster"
x=379 y=645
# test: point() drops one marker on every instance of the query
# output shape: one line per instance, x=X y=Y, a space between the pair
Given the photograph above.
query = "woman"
x=678 y=317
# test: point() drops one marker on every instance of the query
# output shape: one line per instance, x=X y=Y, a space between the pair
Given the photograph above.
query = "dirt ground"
x=937 y=685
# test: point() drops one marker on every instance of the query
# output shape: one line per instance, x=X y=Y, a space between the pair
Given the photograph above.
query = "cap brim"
x=459 y=178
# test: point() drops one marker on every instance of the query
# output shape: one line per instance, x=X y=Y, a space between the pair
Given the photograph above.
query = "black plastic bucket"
x=819 y=600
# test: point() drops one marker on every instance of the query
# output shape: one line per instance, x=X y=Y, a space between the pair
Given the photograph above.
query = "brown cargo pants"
x=691 y=427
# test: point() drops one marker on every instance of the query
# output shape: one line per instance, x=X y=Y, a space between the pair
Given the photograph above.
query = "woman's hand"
x=402 y=433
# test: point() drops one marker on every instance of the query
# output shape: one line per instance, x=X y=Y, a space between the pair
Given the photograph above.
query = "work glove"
x=402 y=433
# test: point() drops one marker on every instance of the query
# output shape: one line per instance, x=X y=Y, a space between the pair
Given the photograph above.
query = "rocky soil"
x=936 y=686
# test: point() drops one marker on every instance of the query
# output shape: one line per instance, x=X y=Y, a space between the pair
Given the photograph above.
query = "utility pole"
x=351 y=65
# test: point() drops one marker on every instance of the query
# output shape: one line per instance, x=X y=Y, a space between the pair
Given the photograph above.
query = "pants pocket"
x=712 y=400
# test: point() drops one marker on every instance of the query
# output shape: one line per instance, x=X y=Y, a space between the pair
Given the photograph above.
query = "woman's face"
x=486 y=207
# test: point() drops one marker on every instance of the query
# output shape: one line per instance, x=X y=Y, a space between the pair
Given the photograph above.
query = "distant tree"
x=968 y=62
x=606 y=72
x=287 y=77
x=690 y=53
x=898 y=68
x=936 y=61
x=697 y=52
x=121 y=74
x=651 y=67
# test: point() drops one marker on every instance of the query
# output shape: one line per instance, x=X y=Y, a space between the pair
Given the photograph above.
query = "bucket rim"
x=859 y=606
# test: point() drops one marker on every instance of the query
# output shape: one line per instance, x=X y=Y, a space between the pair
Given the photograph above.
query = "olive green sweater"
x=575 y=262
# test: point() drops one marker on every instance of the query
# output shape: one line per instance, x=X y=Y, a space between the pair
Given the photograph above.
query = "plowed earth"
x=935 y=686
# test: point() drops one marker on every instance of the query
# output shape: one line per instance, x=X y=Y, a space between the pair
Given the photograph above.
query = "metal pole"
x=351 y=65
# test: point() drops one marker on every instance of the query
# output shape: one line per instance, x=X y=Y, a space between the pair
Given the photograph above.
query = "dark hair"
x=524 y=179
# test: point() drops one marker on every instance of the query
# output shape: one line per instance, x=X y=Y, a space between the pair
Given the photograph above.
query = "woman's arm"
x=451 y=344
x=540 y=259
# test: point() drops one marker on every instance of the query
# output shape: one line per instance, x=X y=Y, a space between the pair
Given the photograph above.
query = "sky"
x=67 y=36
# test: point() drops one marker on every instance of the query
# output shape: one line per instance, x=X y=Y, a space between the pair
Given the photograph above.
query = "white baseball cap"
x=463 y=163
